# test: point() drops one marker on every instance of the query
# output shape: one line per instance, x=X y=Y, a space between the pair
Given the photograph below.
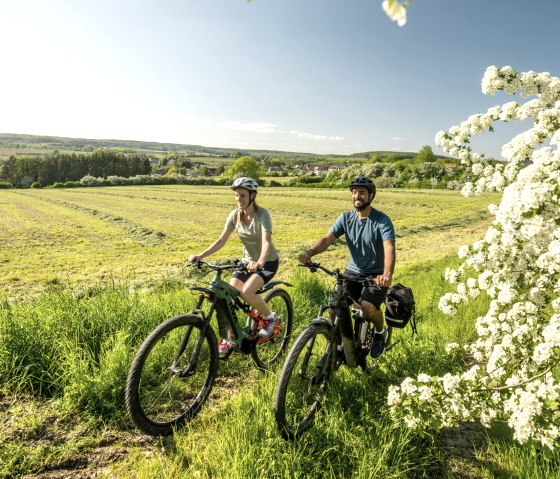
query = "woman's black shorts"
x=267 y=272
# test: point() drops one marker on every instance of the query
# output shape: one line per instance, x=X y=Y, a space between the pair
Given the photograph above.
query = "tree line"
x=44 y=170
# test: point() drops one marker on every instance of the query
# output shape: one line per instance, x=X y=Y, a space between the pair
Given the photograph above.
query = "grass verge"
x=64 y=360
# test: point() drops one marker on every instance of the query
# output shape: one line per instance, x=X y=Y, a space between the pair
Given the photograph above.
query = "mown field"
x=85 y=274
x=143 y=234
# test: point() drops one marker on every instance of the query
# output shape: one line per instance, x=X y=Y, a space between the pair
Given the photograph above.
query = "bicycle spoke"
x=171 y=375
x=303 y=381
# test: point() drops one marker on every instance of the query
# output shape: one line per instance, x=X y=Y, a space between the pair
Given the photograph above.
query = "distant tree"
x=145 y=166
x=425 y=155
x=8 y=169
x=373 y=170
x=244 y=166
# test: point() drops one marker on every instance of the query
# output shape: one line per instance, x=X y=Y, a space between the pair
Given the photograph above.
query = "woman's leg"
x=248 y=290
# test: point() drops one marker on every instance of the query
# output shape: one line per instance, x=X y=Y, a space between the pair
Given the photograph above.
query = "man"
x=370 y=237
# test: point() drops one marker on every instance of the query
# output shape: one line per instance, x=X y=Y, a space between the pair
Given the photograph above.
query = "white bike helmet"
x=245 y=182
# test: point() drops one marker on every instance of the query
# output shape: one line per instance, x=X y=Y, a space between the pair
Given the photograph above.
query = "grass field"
x=85 y=274
x=79 y=236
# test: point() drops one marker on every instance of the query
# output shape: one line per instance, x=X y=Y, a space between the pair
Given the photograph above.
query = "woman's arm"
x=215 y=246
x=266 y=247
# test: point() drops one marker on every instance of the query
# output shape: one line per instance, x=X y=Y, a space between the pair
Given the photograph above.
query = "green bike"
x=174 y=369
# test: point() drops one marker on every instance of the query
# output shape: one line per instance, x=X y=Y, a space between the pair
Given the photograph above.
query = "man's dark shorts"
x=372 y=294
x=267 y=272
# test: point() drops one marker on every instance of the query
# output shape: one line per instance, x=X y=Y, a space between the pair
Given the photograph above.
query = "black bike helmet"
x=363 y=182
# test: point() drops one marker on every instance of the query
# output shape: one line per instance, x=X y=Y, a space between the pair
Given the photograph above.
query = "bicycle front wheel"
x=268 y=352
x=303 y=381
x=172 y=374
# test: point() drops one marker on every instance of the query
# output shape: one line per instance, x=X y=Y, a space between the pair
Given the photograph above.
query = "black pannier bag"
x=400 y=307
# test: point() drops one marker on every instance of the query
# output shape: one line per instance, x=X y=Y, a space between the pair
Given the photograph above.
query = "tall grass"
x=77 y=348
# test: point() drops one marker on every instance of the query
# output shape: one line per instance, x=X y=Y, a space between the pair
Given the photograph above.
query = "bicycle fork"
x=190 y=369
x=323 y=365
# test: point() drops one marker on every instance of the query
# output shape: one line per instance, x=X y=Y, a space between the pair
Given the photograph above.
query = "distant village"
x=191 y=167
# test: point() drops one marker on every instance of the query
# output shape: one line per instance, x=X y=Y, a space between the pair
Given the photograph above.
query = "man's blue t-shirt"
x=364 y=239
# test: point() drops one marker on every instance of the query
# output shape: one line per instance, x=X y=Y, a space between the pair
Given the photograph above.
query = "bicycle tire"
x=303 y=381
x=159 y=400
x=267 y=353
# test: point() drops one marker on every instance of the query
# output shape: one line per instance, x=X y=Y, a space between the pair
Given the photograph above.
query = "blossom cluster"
x=395 y=10
x=516 y=353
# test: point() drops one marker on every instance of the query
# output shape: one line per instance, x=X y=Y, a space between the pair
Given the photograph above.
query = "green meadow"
x=86 y=274
x=81 y=236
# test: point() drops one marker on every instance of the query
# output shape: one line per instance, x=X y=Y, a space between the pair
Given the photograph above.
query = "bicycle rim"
x=168 y=382
x=268 y=352
x=303 y=381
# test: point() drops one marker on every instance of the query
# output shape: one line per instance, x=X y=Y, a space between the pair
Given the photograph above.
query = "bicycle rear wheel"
x=303 y=381
x=171 y=376
x=268 y=352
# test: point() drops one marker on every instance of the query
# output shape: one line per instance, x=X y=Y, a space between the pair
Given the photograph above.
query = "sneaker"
x=225 y=348
x=378 y=344
x=267 y=328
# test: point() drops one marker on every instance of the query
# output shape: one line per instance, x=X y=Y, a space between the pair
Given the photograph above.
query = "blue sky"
x=322 y=76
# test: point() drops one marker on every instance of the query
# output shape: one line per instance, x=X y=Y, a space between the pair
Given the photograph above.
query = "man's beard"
x=363 y=206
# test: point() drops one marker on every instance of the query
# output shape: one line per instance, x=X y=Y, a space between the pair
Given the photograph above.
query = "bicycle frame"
x=340 y=321
x=225 y=301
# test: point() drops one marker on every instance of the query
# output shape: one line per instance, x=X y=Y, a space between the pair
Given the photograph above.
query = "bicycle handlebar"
x=236 y=264
x=313 y=267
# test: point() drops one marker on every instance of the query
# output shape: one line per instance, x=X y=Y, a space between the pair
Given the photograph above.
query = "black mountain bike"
x=174 y=369
x=318 y=352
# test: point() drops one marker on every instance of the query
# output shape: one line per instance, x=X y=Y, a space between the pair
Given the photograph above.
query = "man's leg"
x=371 y=300
x=373 y=314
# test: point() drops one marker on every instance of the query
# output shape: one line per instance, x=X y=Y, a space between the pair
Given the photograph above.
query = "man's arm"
x=320 y=245
x=389 y=264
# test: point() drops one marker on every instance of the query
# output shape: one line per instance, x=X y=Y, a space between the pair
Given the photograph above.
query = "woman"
x=254 y=227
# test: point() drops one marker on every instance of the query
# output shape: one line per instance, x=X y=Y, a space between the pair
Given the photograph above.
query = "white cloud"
x=312 y=136
x=397 y=138
x=258 y=127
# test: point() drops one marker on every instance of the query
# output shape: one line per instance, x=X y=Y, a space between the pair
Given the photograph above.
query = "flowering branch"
x=396 y=11
x=516 y=264
x=528 y=380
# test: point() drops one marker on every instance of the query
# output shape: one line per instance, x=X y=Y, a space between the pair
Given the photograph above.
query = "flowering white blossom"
x=450 y=347
x=395 y=11
x=517 y=264
x=393 y=396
